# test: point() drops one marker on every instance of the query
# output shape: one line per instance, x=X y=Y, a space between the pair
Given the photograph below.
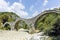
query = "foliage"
x=46 y=22
x=20 y=24
x=50 y=24
x=7 y=27
x=7 y=17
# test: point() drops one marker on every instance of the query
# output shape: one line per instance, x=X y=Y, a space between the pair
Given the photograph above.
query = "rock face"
x=13 y=35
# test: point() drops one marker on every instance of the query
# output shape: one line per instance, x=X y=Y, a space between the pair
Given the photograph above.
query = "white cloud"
x=4 y=3
x=16 y=7
x=45 y=2
x=35 y=13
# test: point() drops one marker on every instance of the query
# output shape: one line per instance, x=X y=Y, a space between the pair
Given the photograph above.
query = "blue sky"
x=27 y=8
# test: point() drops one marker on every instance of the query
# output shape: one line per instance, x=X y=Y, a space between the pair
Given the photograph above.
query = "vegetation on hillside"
x=6 y=17
x=50 y=24
x=20 y=24
x=10 y=17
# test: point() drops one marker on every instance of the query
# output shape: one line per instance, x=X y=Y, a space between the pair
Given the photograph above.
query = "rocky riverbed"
x=20 y=35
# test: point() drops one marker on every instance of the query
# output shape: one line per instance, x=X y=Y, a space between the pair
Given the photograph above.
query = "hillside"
x=7 y=17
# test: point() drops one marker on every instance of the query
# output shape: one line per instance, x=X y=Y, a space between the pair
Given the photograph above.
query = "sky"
x=27 y=8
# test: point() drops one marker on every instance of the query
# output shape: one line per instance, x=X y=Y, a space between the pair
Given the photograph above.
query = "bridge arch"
x=20 y=24
x=49 y=22
x=7 y=26
x=44 y=14
x=16 y=27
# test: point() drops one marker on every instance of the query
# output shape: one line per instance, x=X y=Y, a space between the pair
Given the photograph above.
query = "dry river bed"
x=19 y=35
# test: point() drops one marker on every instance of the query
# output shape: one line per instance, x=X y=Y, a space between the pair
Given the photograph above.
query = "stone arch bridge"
x=31 y=22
